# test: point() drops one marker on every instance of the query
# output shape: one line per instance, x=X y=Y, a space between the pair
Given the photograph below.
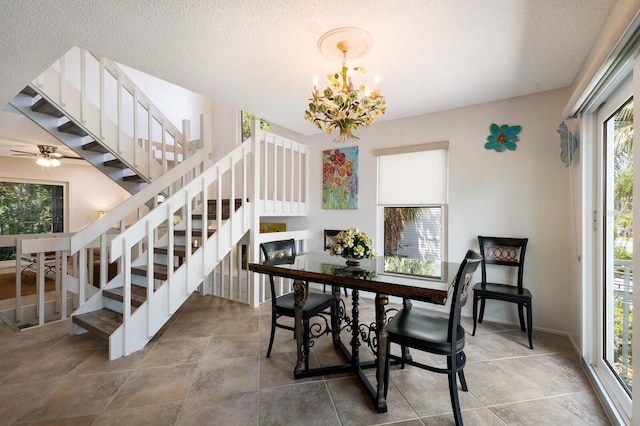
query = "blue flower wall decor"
x=503 y=137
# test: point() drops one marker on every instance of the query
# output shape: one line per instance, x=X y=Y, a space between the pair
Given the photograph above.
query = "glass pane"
x=27 y=208
x=247 y=122
x=619 y=244
x=413 y=240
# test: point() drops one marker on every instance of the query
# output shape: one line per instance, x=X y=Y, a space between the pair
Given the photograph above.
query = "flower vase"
x=353 y=265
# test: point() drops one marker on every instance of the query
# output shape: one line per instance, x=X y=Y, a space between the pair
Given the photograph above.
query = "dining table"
x=371 y=276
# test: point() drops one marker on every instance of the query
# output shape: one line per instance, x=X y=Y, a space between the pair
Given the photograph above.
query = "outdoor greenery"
x=404 y=265
x=396 y=220
x=28 y=209
x=623 y=201
x=247 y=122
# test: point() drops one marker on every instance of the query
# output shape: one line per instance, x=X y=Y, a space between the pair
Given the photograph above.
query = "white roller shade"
x=413 y=178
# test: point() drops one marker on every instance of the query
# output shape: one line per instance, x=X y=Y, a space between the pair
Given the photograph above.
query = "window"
x=413 y=209
x=247 y=122
x=30 y=208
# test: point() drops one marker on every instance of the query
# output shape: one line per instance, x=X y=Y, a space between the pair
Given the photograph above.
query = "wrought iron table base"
x=353 y=364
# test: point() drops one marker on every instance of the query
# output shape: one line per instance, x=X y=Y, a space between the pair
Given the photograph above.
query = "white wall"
x=522 y=193
x=88 y=189
x=175 y=102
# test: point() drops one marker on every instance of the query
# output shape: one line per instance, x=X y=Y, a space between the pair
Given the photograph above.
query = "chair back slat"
x=503 y=251
x=279 y=251
x=460 y=291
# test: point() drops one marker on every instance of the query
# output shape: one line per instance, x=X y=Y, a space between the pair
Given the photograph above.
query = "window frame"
x=440 y=145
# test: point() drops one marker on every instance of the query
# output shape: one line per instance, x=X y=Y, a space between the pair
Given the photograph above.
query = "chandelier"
x=343 y=106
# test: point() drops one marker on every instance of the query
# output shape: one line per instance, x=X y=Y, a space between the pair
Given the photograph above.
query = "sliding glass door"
x=616 y=235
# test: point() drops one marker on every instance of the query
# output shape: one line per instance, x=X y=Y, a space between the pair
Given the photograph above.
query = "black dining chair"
x=281 y=252
x=438 y=335
x=509 y=253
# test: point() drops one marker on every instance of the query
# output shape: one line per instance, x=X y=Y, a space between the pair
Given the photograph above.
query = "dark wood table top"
x=320 y=267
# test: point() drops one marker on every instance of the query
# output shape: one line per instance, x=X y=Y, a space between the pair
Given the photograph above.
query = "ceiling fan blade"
x=23 y=153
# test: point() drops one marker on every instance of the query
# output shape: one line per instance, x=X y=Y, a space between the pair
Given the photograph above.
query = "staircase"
x=105 y=126
x=104 y=322
x=187 y=239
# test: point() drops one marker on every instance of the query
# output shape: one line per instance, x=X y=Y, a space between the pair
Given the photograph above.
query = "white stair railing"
x=237 y=176
x=227 y=179
x=99 y=97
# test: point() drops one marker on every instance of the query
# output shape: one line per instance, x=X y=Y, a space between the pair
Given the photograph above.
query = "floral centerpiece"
x=352 y=244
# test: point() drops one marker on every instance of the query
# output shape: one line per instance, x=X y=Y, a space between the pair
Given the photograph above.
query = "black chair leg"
x=475 y=313
x=453 y=393
x=529 y=324
x=403 y=352
x=460 y=363
x=521 y=317
x=463 y=381
x=273 y=332
x=482 y=300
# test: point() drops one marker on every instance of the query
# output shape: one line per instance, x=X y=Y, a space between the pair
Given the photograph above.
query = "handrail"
x=189 y=188
x=115 y=111
x=220 y=180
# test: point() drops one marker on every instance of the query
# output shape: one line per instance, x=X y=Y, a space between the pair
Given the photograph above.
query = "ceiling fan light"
x=54 y=162
x=44 y=162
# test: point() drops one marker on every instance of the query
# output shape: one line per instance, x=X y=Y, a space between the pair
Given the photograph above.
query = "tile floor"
x=207 y=367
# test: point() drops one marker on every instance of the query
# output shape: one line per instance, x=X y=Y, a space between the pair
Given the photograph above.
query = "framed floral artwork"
x=340 y=178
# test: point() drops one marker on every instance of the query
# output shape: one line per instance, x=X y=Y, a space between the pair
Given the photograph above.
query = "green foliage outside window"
x=27 y=208
x=247 y=122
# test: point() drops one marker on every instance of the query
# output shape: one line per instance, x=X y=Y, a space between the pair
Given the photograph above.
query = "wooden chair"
x=284 y=251
x=437 y=335
x=509 y=253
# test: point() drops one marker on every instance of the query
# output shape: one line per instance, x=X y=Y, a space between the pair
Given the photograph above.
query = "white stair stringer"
x=107 y=109
x=22 y=103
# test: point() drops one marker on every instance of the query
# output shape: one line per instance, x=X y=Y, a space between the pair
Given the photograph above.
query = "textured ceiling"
x=261 y=55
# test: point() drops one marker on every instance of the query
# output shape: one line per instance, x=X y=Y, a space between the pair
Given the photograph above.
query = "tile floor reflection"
x=208 y=367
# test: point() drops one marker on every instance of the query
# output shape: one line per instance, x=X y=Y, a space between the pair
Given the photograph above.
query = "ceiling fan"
x=48 y=157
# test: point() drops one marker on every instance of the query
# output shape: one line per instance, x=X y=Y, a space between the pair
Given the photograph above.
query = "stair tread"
x=116 y=163
x=102 y=322
x=134 y=178
x=194 y=232
x=29 y=91
x=178 y=250
x=138 y=294
x=45 y=107
x=159 y=271
x=73 y=128
x=95 y=146
x=210 y=215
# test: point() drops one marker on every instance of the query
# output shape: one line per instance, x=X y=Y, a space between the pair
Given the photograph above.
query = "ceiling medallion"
x=341 y=106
